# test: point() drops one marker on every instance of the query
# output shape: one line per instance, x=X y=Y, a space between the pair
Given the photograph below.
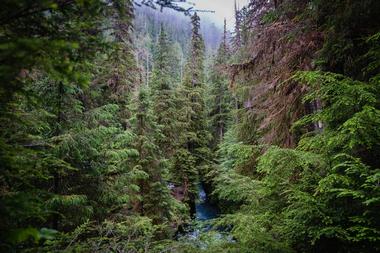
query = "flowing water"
x=205 y=211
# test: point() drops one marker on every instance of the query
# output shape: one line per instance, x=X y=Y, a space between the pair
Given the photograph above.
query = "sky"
x=223 y=9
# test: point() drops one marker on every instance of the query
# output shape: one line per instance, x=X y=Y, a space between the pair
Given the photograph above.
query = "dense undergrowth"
x=101 y=152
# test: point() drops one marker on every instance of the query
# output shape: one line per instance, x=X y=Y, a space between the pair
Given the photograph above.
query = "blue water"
x=204 y=209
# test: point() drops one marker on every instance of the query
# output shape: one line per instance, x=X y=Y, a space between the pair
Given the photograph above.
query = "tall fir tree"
x=220 y=98
x=163 y=94
x=155 y=201
x=194 y=135
x=236 y=41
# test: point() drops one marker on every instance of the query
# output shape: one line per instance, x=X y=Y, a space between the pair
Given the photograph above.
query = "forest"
x=136 y=126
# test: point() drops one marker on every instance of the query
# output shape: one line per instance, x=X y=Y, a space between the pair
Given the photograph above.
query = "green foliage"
x=220 y=102
x=30 y=40
x=264 y=197
x=270 y=17
x=162 y=90
x=63 y=146
x=320 y=196
x=133 y=233
x=89 y=156
x=192 y=157
x=18 y=236
x=351 y=117
x=346 y=27
x=156 y=201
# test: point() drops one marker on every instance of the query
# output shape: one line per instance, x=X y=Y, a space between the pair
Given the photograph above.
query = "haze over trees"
x=115 y=116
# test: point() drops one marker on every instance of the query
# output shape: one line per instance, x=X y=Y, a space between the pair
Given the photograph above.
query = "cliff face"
x=271 y=55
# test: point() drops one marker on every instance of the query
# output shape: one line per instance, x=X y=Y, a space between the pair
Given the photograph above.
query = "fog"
x=223 y=9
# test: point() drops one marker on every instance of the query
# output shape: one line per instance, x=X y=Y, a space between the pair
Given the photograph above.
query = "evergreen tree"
x=320 y=196
x=221 y=102
x=163 y=95
x=237 y=39
x=91 y=158
x=156 y=201
x=194 y=136
x=245 y=24
x=64 y=129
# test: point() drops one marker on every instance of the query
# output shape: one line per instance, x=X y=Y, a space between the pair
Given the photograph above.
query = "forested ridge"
x=122 y=120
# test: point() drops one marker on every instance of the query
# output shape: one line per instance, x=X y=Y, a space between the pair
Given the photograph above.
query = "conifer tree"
x=64 y=130
x=156 y=201
x=237 y=31
x=244 y=25
x=162 y=94
x=194 y=136
x=221 y=103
